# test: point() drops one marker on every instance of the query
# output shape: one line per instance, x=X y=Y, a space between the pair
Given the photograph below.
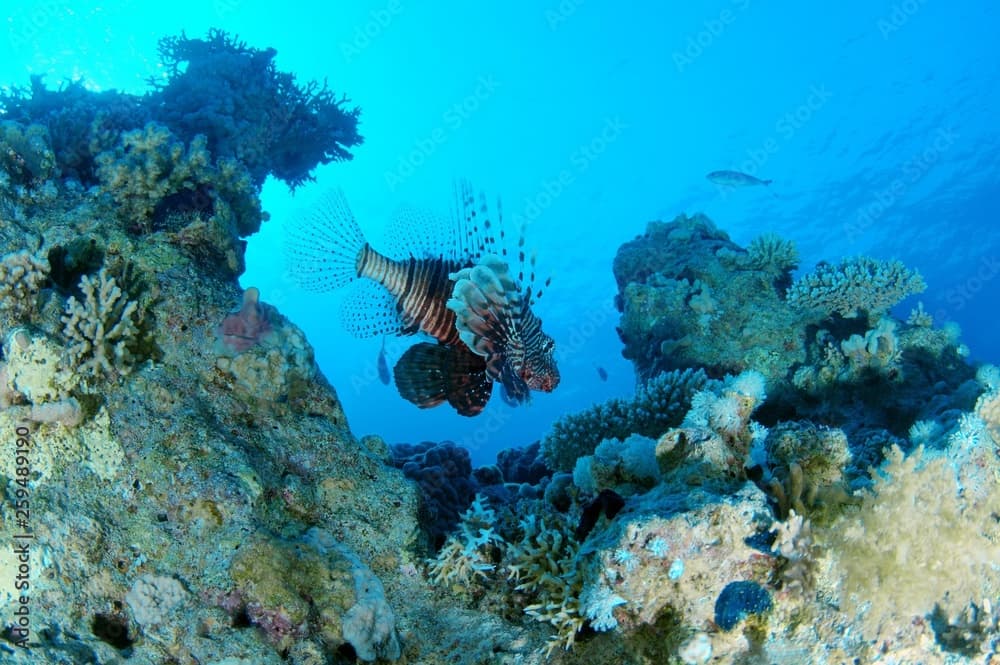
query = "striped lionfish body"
x=464 y=296
x=419 y=287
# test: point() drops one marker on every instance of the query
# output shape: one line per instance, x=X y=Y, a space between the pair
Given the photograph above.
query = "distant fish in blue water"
x=383 y=366
x=735 y=179
x=460 y=290
x=601 y=372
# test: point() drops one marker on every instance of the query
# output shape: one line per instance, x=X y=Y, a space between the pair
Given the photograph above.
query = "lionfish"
x=464 y=295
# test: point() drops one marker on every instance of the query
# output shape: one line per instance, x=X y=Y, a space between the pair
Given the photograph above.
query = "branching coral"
x=794 y=543
x=769 y=253
x=545 y=563
x=467 y=555
x=104 y=330
x=855 y=286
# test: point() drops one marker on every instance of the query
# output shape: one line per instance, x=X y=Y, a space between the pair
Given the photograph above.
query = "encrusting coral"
x=22 y=275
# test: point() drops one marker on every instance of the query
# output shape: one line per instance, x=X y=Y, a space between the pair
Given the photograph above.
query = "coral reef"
x=443 y=471
x=799 y=477
x=691 y=298
x=894 y=571
x=657 y=405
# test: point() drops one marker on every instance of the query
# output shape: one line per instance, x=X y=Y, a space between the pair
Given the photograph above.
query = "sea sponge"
x=855 y=286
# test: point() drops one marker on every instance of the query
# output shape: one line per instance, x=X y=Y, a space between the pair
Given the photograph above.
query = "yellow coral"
x=988 y=409
x=901 y=571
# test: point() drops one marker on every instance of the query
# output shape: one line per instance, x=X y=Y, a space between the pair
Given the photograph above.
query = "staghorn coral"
x=467 y=555
x=104 y=331
x=854 y=287
x=545 y=564
x=657 y=406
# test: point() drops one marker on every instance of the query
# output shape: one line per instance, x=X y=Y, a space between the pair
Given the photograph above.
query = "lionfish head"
x=495 y=321
x=537 y=367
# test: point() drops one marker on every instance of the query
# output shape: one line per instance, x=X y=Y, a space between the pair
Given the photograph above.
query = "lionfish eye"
x=548 y=345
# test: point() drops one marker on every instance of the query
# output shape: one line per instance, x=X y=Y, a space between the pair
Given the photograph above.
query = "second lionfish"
x=463 y=294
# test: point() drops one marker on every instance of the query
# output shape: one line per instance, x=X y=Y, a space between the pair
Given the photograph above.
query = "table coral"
x=855 y=286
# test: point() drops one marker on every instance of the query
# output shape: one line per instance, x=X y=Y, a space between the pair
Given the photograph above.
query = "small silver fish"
x=735 y=179
x=601 y=372
x=383 y=366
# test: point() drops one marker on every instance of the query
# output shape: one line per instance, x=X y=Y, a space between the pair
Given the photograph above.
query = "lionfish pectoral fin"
x=513 y=385
x=420 y=374
x=429 y=374
x=485 y=300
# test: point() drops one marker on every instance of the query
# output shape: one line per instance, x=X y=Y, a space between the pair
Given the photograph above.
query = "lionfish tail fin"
x=429 y=374
x=323 y=246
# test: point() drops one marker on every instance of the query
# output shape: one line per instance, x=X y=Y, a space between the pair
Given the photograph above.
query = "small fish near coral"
x=383 y=366
x=460 y=290
x=733 y=179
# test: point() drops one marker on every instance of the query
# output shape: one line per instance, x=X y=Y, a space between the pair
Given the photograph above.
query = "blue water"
x=876 y=121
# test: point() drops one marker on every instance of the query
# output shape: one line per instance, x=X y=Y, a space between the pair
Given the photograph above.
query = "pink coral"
x=243 y=329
